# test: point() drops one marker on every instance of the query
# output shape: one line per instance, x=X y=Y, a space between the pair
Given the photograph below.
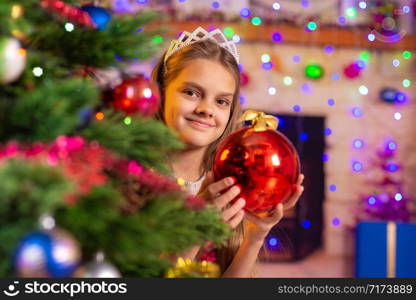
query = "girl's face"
x=198 y=102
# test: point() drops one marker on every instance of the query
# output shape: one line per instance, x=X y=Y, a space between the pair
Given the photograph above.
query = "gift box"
x=385 y=249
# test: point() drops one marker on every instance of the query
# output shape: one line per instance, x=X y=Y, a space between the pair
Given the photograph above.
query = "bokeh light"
x=265 y=58
x=69 y=27
x=37 y=71
x=336 y=222
x=363 y=90
x=351 y=12
x=362 y=4
x=331 y=102
x=406 y=82
x=358 y=143
x=276 y=5
x=272 y=90
x=228 y=31
x=371 y=37
x=245 y=13
x=312 y=26
x=276 y=37
x=287 y=80
x=407 y=54
x=357 y=112
x=397 y=116
x=365 y=56
x=256 y=21
x=357 y=166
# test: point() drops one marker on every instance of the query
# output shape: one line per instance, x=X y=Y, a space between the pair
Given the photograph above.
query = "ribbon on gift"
x=391 y=249
x=259 y=120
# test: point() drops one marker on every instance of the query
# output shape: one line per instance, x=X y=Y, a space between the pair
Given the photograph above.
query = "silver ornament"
x=12 y=59
x=99 y=268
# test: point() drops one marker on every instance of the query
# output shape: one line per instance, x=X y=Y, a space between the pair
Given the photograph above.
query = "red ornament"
x=136 y=95
x=263 y=161
x=244 y=79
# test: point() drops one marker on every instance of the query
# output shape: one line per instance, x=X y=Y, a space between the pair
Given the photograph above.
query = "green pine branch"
x=136 y=242
x=28 y=190
x=146 y=140
x=42 y=107
x=50 y=110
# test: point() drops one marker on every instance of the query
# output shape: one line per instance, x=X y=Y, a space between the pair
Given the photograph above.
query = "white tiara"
x=199 y=34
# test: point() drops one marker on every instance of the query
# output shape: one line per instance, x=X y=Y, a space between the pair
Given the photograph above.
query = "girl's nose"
x=204 y=108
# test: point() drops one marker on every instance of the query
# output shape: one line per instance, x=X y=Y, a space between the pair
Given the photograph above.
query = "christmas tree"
x=388 y=200
x=86 y=160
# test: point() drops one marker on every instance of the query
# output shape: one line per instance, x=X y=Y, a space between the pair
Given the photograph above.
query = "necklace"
x=184 y=182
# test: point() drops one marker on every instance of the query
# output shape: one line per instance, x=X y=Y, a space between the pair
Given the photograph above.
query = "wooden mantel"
x=335 y=36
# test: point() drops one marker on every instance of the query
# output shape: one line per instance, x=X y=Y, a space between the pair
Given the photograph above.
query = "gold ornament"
x=16 y=11
x=187 y=268
x=259 y=120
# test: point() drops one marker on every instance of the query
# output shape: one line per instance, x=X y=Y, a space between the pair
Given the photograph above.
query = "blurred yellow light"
x=224 y=154
x=17 y=11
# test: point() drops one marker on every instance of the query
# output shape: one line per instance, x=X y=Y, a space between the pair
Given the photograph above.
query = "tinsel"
x=87 y=164
x=68 y=12
x=141 y=184
x=187 y=268
x=82 y=162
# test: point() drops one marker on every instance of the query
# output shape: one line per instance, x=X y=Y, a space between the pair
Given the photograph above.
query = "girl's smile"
x=199 y=123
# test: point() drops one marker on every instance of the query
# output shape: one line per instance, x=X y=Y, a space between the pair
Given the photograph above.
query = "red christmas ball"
x=264 y=163
x=136 y=95
x=244 y=79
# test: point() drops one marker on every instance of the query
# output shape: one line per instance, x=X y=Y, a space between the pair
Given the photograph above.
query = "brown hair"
x=163 y=74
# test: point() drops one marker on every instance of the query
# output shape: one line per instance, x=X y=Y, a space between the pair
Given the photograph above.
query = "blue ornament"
x=388 y=95
x=85 y=115
x=47 y=253
x=100 y=16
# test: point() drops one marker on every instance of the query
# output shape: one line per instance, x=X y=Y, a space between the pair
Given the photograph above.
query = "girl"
x=199 y=82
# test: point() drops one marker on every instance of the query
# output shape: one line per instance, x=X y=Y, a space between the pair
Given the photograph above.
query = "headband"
x=200 y=34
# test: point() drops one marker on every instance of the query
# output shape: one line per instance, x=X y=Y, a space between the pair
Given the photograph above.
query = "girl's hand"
x=257 y=228
x=210 y=191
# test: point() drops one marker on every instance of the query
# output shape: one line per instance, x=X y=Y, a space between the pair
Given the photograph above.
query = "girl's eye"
x=190 y=93
x=223 y=102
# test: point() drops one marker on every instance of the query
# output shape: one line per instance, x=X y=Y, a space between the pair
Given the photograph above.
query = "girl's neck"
x=188 y=164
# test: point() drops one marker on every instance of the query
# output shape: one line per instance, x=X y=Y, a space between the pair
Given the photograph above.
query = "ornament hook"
x=260 y=120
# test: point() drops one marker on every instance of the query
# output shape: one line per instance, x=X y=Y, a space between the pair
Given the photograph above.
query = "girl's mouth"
x=199 y=123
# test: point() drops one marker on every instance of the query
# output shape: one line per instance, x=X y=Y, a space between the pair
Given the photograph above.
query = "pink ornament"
x=352 y=71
